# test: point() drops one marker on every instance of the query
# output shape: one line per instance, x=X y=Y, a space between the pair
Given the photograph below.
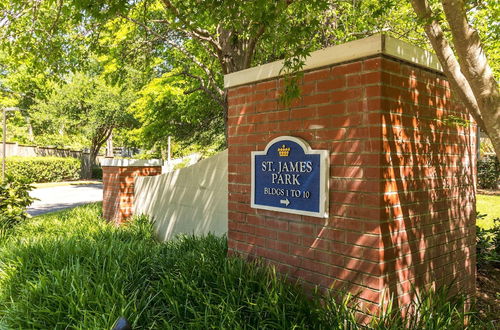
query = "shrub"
x=488 y=244
x=43 y=169
x=97 y=172
x=73 y=270
x=434 y=309
x=488 y=172
x=14 y=199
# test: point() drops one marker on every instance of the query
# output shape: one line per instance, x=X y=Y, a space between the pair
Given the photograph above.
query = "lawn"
x=73 y=270
x=489 y=205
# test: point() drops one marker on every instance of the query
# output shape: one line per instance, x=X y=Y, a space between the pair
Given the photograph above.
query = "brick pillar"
x=118 y=176
x=402 y=190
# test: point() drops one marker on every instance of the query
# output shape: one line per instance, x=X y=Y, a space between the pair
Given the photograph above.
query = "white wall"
x=190 y=200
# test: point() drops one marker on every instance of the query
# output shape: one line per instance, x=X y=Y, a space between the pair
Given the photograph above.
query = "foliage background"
x=167 y=81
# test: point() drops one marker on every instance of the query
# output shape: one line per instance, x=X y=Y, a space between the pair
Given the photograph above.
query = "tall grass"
x=71 y=270
x=431 y=310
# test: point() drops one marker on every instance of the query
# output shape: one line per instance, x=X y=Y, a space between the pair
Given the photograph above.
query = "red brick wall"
x=118 y=196
x=401 y=184
x=428 y=219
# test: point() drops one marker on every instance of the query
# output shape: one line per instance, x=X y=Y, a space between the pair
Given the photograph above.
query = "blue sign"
x=288 y=176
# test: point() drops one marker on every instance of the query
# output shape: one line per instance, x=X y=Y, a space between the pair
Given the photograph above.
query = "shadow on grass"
x=72 y=270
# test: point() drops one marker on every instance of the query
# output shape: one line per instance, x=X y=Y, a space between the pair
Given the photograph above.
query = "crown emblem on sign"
x=283 y=151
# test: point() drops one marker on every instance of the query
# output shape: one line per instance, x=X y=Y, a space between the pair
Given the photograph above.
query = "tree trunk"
x=490 y=110
x=470 y=75
x=92 y=161
x=31 y=136
x=109 y=147
x=97 y=142
x=235 y=54
x=475 y=67
x=163 y=152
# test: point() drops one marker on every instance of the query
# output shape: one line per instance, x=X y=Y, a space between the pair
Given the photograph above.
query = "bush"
x=488 y=244
x=97 y=172
x=14 y=199
x=43 y=169
x=73 y=270
x=435 y=309
x=488 y=172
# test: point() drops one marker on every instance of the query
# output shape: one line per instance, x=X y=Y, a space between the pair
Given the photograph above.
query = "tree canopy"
x=83 y=108
x=173 y=54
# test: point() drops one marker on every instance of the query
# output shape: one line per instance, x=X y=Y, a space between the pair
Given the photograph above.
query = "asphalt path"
x=58 y=198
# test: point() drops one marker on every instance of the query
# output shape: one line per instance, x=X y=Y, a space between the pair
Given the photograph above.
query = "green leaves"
x=166 y=107
x=46 y=33
x=14 y=199
x=71 y=269
x=488 y=172
x=483 y=15
x=488 y=244
x=131 y=43
x=43 y=169
x=85 y=107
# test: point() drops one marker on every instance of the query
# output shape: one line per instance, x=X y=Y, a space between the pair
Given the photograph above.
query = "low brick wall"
x=402 y=163
x=118 y=177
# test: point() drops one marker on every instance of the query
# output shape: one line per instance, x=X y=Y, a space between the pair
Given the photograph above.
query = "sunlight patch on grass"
x=489 y=205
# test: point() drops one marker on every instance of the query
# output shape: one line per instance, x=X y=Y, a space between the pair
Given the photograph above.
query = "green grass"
x=489 y=205
x=72 y=270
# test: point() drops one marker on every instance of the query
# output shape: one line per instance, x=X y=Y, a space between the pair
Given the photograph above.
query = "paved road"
x=62 y=197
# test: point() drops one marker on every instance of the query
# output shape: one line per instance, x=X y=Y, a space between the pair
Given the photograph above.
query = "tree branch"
x=471 y=56
x=448 y=60
x=214 y=51
x=169 y=6
x=184 y=51
x=101 y=136
x=252 y=43
x=194 y=32
x=475 y=67
x=58 y=15
x=217 y=97
x=213 y=47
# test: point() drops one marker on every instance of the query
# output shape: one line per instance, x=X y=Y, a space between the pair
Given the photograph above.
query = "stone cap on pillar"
x=376 y=44
x=131 y=162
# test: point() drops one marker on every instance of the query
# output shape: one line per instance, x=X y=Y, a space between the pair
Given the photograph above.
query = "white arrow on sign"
x=285 y=201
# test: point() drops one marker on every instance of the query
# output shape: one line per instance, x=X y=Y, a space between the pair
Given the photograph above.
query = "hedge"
x=43 y=169
x=488 y=172
x=97 y=172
